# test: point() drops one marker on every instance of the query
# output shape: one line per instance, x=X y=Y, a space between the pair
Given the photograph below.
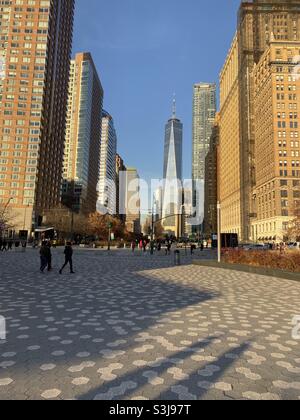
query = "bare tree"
x=66 y=222
x=294 y=228
x=99 y=225
x=6 y=219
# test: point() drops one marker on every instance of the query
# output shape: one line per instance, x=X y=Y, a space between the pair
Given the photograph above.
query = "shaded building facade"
x=120 y=170
x=211 y=183
x=204 y=112
x=83 y=136
x=107 y=186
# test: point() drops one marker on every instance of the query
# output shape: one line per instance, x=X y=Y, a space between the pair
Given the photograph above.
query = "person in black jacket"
x=44 y=253
x=68 y=258
x=49 y=245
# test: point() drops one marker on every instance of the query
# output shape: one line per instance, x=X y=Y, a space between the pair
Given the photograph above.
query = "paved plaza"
x=130 y=327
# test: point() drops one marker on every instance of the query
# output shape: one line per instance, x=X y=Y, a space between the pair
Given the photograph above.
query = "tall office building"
x=277 y=143
x=131 y=193
x=35 y=48
x=107 y=186
x=172 y=189
x=211 y=184
x=229 y=174
x=120 y=170
x=259 y=22
x=83 y=136
x=204 y=112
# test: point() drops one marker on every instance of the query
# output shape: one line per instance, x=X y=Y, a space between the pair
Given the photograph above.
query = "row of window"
x=283 y=124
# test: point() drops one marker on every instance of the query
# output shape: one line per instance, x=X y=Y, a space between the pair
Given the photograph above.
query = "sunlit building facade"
x=35 y=49
x=259 y=23
x=277 y=144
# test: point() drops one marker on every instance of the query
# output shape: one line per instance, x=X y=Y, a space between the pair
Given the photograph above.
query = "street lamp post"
x=219 y=232
x=109 y=235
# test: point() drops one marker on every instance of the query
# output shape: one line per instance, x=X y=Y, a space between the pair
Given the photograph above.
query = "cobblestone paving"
x=136 y=327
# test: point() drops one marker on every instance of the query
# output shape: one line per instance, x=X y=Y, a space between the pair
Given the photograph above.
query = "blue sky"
x=145 y=50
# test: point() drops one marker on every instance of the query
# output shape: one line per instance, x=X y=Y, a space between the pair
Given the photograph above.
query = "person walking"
x=44 y=254
x=49 y=245
x=4 y=245
x=152 y=247
x=145 y=246
x=169 y=247
x=68 y=258
x=10 y=244
x=133 y=245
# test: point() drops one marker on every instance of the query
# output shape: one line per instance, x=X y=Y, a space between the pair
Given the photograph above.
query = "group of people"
x=7 y=244
x=46 y=257
x=152 y=246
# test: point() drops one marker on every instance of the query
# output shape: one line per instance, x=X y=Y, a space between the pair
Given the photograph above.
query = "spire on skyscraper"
x=174 y=107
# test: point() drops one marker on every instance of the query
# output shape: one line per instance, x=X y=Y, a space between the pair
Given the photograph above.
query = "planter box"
x=263 y=271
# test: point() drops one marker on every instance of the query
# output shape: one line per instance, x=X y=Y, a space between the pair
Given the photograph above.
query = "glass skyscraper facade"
x=172 y=170
x=107 y=187
x=83 y=136
x=204 y=113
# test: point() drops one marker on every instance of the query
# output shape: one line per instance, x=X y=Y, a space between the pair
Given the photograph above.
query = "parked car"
x=294 y=245
x=255 y=247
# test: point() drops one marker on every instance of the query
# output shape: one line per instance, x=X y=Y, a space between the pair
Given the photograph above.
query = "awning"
x=43 y=230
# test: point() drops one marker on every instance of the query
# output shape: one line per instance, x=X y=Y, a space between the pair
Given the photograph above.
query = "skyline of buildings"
x=59 y=146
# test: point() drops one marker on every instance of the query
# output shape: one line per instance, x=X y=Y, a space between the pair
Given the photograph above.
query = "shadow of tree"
x=186 y=389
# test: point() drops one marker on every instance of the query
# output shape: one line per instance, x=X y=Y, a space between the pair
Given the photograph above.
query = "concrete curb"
x=250 y=269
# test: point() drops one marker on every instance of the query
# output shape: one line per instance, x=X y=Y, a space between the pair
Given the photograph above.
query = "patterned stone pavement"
x=136 y=327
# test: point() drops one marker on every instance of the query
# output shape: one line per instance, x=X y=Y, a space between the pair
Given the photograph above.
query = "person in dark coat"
x=68 y=258
x=4 y=245
x=49 y=245
x=44 y=253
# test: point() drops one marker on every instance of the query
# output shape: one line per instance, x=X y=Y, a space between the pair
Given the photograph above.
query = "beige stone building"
x=277 y=147
x=35 y=49
x=229 y=178
x=259 y=22
x=131 y=192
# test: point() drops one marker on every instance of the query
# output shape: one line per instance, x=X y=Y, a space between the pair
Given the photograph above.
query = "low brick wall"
x=250 y=269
